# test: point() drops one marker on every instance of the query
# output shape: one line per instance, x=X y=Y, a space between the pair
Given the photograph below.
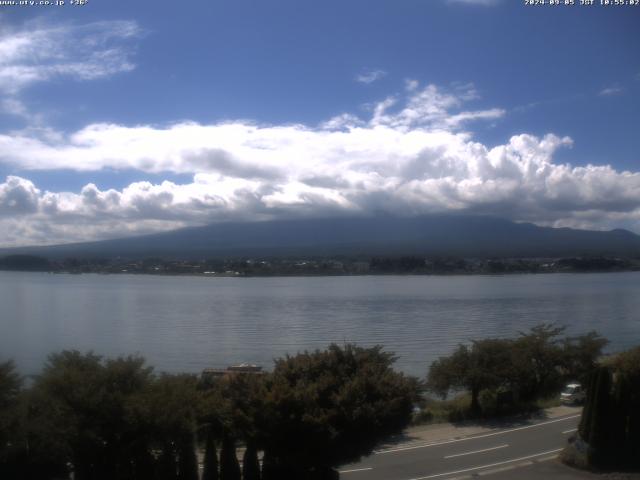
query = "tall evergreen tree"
x=145 y=465
x=250 y=463
x=210 y=471
x=167 y=465
x=618 y=421
x=187 y=460
x=599 y=428
x=269 y=470
x=587 y=411
x=229 y=465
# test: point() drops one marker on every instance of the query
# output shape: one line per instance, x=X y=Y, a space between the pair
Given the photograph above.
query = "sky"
x=120 y=118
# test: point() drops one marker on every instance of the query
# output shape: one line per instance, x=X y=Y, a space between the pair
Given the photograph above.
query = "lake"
x=189 y=323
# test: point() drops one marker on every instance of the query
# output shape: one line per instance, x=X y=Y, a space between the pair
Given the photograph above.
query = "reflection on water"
x=188 y=323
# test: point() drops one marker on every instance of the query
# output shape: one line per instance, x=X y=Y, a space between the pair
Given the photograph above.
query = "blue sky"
x=120 y=118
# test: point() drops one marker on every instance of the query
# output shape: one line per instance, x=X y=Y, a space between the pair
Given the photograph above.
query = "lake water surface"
x=189 y=323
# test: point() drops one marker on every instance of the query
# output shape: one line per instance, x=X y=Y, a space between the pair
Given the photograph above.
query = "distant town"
x=247 y=267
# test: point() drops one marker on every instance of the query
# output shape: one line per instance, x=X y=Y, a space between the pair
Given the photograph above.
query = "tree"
x=232 y=408
x=187 y=461
x=581 y=355
x=331 y=407
x=167 y=464
x=10 y=390
x=610 y=422
x=537 y=362
x=210 y=471
x=80 y=412
x=24 y=263
x=168 y=407
x=241 y=407
x=66 y=412
x=486 y=365
x=626 y=405
x=598 y=423
x=533 y=365
x=229 y=466
x=269 y=467
x=250 y=463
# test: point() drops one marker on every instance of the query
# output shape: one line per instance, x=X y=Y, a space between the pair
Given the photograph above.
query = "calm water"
x=188 y=323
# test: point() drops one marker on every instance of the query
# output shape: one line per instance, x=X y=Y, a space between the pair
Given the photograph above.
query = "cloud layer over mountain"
x=413 y=155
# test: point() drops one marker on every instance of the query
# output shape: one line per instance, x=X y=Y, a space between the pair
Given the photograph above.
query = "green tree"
x=250 y=463
x=626 y=437
x=69 y=399
x=10 y=446
x=229 y=466
x=234 y=407
x=79 y=413
x=168 y=464
x=165 y=413
x=595 y=426
x=581 y=354
x=210 y=471
x=610 y=421
x=537 y=361
x=533 y=365
x=240 y=407
x=187 y=461
x=486 y=365
x=331 y=407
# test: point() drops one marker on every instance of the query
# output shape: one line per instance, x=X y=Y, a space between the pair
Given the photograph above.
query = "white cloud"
x=18 y=197
x=432 y=108
x=38 y=52
x=412 y=156
x=611 y=90
x=370 y=76
x=249 y=150
x=411 y=85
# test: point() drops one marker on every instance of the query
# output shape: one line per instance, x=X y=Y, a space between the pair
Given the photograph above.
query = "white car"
x=572 y=394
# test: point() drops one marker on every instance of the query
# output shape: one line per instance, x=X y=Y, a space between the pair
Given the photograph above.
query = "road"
x=495 y=451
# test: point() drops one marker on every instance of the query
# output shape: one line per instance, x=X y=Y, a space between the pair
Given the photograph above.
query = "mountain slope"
x=469 y=236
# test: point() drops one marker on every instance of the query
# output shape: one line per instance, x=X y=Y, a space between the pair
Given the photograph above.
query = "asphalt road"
x=494 y=452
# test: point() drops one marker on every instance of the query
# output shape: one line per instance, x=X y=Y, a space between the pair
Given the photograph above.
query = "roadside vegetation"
x=116 y=419
x=501 y=376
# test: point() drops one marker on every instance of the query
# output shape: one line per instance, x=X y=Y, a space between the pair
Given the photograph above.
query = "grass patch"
x=441 y=411
x=457 y=409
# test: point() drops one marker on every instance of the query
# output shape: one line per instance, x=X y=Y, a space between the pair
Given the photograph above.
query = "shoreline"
x=322 y=275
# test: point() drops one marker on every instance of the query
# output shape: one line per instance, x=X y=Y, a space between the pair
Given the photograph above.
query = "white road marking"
x=480 y=467
x=501 y=432
x=477 y=451
x=356 y=470
x=570 y=430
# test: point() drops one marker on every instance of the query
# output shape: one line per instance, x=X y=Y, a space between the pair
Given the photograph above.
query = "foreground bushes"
x=114 y=419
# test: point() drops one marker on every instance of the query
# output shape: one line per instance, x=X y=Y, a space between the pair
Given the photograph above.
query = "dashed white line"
x=480 y=467
x=501 y=432
x=477 y=451
x=356 y=470
x=571 y=430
